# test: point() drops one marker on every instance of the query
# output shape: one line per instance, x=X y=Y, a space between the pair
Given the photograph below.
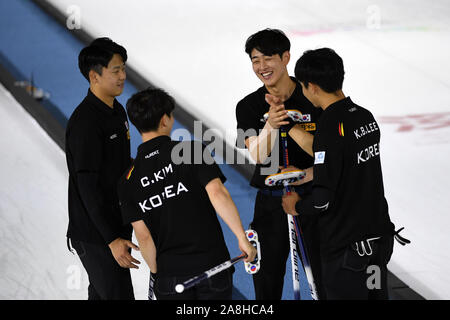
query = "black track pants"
x=270 y=222
x=107 y=280
x=347 y=275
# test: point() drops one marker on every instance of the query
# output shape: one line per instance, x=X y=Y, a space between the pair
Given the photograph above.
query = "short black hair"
x=146 y=108
x=323 y=67
x=268 y=42
x=98 y=54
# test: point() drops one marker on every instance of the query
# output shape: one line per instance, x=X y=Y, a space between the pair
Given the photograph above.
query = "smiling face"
x=112 y=80
x=269 y=69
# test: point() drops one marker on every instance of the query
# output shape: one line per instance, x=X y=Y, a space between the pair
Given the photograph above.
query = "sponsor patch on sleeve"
x=319 y=157
x=308 y=126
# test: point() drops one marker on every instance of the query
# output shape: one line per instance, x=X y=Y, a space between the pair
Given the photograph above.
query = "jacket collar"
x=93 y=100
x=153 y=144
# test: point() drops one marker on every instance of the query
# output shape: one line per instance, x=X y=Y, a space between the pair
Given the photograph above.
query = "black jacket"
x=348 y=191
x=97 y=154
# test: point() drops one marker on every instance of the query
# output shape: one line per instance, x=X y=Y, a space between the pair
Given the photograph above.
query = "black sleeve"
x=328 y=149
x=207 y=170
x=85 y=143
x=128 y=207
x=318 y=201
x=247 y=124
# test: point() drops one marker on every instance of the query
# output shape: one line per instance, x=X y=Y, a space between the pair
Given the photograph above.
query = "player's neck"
x=330 y=98
x=106 y=99
x=283 y=89
x=147 y=136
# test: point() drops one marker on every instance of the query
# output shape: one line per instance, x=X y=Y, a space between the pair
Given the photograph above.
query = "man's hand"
x=246 y=247
x=289 y=202
x=119 y=249
x=277 y=113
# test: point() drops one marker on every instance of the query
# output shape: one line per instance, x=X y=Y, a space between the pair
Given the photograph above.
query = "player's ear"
x=314 y=88
x=286 y=57
x=93 y=76
x=164 y=122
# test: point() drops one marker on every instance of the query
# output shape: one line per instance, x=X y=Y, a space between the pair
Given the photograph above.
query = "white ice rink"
x=396 y=60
